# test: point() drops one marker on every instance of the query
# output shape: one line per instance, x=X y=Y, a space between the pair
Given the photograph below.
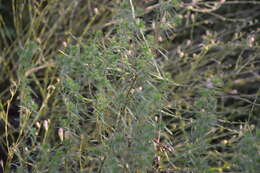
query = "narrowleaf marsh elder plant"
x=123 y=87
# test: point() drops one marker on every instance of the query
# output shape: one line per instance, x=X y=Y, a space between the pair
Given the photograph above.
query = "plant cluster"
x=129 y=86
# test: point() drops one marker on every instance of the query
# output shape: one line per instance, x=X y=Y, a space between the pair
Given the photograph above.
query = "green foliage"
x=129 y=86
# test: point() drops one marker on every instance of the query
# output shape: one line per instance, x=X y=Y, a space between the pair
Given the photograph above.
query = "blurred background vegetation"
x=129 y=86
